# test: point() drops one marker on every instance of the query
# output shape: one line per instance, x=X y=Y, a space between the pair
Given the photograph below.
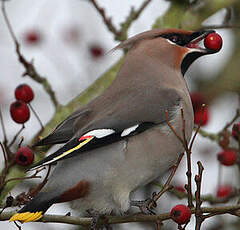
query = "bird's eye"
x=174 y=38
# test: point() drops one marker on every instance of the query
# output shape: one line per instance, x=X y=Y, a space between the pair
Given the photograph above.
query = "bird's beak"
x=196 y=41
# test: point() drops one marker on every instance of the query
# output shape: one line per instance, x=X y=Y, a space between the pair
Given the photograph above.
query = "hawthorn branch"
x=16 y=136
x=107 y=20
x=224 y=26
x=3 y=128
x=167 y=185
x=124 y=219
x=133 y=15
x=29 y=67
x=120 y=34
x=198 y=213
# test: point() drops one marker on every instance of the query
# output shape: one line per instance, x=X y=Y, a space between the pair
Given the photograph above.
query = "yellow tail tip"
x=26 y=216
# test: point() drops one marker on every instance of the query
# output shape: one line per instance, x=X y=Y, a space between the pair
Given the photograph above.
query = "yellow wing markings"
x=70 y=150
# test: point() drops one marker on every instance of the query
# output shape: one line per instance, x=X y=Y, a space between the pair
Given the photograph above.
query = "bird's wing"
x=118 y=123
x=65 y=130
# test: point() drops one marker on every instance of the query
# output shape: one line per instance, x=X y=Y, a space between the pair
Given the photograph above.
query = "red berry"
x=24 y=156
x=198 y=116
x=20 y=112
x=224 y=191
x=227 y=157
x=236 y=131
x=32 y=37
x=197 y=100
x=24 y=93
x=72 y=35
x=213 y=41
x=96 y=51
x=180 y=188
x=181 y=214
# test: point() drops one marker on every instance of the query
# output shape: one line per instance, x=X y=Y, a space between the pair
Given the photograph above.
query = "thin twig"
x=184 y=130
x=18 y=226
x=3 y=128
x=41 y=185
x=224 y=26
x=237 y=115
x=16 y=136
x=29 y=67
x=189 y=164
x=120 y=34
x=4 y=154
x=107 y=20
x=133 y=15
x=36 y=115
x=22 y=178
x=171 y=127
x=166 y=186
x=25 y=178
x=198 y=128
x=198 y=213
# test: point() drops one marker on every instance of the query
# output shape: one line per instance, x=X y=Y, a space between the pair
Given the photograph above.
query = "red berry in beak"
x=181 y=214
x=213 y=41
x=24 y=156
x=24 y=93
x=20 y=112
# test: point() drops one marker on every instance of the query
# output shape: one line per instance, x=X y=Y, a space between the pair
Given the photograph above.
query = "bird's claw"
x=96 y=219
x=144 y=205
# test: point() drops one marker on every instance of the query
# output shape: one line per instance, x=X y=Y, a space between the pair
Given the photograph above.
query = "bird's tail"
x=35 y=209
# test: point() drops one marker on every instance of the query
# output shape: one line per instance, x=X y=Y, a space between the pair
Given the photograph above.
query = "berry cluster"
x=19 y=110
x=20 y=113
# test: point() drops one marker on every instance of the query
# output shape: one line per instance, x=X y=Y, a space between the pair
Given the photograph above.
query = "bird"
x=121 y=140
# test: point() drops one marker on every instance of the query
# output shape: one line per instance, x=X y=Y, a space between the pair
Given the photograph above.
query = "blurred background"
x=68 y=43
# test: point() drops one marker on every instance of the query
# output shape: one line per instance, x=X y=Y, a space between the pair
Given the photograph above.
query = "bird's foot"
x=144 y=205
x=97 y=218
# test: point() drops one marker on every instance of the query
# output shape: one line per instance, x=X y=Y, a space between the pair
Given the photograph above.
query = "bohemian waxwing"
x=120 y=141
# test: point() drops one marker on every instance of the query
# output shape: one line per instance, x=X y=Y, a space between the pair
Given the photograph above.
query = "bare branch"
x=3 y=128
x=107 y=20
x=198 y=127
x=224 y=26
x=166 y=186
x=5 y=155
x=16 y=136
x=122 y=219
x=121 y=34
x=134 y=15
x=36 y=115
x=198 y=213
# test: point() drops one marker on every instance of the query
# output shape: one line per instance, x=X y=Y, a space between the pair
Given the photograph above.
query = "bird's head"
x=176 y=47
